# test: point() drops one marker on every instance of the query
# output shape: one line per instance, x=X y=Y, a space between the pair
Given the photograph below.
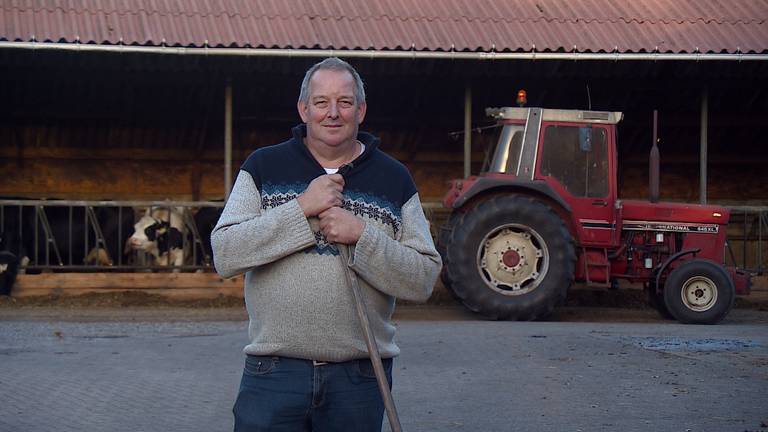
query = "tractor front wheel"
x=699 y=292
x=656 y=298
x=510 y=257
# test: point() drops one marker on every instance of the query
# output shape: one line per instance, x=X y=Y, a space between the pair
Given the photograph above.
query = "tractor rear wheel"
x=699 y=292
x=443 y=238
x=510 y=257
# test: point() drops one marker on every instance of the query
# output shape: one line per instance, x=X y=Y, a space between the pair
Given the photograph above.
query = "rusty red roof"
x=666 y=26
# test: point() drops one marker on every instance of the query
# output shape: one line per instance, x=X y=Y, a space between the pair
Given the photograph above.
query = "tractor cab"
x=567 y=156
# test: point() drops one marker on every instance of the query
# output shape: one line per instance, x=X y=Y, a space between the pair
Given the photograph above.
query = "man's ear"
x=302 y=108
x=361 y=109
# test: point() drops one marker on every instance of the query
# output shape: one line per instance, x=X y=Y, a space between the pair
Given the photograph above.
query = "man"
x=307 y=366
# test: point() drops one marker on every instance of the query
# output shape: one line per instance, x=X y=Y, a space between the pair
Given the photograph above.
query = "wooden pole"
x=227 y=140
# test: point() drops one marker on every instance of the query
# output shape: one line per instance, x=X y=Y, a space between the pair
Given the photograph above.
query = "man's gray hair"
x=334 y=64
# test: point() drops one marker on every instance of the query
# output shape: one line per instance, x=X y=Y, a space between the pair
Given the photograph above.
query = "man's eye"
x=321 y=104
x=345 y=103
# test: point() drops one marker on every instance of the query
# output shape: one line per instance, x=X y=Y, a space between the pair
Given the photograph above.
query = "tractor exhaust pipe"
x=653 y=161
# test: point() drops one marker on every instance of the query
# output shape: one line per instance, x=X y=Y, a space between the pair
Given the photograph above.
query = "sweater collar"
x=371 y=143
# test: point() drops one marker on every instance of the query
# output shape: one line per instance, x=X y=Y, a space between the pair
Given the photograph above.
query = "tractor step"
x=597 y=259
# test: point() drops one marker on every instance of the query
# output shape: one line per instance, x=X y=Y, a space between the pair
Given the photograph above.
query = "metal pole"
x=653 y=161
x=760 y=222
x=227 y=140
x=703 y=151
x=382 y=54
x=744 y=242
x=467 y=131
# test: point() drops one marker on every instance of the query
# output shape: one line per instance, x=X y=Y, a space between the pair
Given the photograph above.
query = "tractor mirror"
x=585 y=138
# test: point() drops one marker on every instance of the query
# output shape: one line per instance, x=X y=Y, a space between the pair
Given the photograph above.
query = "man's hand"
x=341 y=226
x=322 y=193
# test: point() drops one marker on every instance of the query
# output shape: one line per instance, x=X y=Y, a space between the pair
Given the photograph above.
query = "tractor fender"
x=672 y=258
x=484 y=184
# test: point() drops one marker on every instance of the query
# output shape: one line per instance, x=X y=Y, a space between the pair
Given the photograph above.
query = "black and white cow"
x=15 y=243
x=10 y=258
x=206 y=219
x=68 y=240
x=161 y=232
x=117 y=226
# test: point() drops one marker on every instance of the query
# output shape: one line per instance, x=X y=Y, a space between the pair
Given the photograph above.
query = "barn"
x=128 y=104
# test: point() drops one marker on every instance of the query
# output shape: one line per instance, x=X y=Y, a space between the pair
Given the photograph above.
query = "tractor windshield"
x=577 y=156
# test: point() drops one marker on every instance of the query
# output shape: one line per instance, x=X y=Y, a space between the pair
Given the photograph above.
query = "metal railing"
x=68 y=235
x=100 y=230
x=747 y=231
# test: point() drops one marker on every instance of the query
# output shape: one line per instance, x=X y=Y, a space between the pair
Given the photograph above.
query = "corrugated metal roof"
x=669 y=26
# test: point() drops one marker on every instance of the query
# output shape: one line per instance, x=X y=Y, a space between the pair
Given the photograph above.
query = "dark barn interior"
x=151 y=126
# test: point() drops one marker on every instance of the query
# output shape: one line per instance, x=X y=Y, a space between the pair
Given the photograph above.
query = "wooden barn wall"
x=87 y=131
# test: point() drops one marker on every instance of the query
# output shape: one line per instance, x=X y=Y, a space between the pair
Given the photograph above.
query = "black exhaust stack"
x=653 y=161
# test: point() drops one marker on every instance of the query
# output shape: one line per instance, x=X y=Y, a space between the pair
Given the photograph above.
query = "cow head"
x=98 y=257
x=148 y=232
x=159 y=232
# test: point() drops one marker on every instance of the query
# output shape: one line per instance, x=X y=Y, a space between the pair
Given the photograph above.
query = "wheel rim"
x=513 y=259
x=699 y=293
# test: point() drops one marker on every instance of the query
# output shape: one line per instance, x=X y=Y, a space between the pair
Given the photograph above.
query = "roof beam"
x=383 y=54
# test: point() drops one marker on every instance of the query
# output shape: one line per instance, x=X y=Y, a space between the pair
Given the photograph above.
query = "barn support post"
x=467 y=131
x=703 y=147
x=227 y=140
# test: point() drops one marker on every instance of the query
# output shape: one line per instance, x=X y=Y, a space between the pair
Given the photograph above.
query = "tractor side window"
x=515 y=148
x=506 y=153
x=578 y=158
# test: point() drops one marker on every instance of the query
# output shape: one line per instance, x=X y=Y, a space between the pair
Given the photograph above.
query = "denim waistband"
x=315 y=363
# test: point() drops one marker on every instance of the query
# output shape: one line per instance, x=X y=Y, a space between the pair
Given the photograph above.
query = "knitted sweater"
x=296 y=293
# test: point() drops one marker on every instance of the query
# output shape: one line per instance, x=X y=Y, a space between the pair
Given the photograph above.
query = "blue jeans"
x=286 y=394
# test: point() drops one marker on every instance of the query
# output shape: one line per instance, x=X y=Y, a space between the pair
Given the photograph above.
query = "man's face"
x=332 y=114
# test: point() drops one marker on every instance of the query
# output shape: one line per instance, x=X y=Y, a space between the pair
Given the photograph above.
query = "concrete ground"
x=587 y=369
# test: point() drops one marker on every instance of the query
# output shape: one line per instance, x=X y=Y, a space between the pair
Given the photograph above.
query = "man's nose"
x=333 y=110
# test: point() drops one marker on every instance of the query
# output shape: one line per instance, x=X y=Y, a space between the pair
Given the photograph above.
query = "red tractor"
x=545 y=213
